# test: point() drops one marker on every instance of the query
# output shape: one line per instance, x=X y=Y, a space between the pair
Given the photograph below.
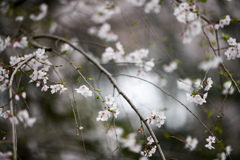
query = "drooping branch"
x=14 y=133
x=110 y=77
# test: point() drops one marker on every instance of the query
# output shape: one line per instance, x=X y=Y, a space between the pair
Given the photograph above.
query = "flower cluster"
x=150 y=6
x=159 y=117
x=42 y=13
x=195 y=96
x=137 y=57
x=23 y=43
x=111 y=54
x=185 y=13
x=131 y=143
x=223 y=155
x=4 y=43
x=211 y=64
x=23 y=117
x=227 y=88
x=149 y=152
x=104 y=12
x=234 y=50
x=84 y=90
x=104 y=33
x=210 y=141
x=223 y=22
x=111 y=108
x=191 y=143
x=6 y=155
x=40 y=66
x=171 y=67
x=4 y=75
x=4 y=113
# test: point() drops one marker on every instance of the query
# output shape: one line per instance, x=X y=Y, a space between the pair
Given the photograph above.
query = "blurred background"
x=55 y=136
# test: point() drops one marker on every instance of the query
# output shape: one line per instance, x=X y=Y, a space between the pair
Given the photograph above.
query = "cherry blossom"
x=210 y=64
x=152 y=6
x=43 y=12
x=171 y=67
x=103 y=115
x=84 y=90
x=150 y=140
x=209 y=84
x=210 y=141
x=191 y=143
x=159 y=117
x=23 y=117
x=227 y=88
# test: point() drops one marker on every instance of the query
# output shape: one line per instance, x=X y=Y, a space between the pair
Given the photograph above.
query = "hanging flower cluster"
x=234 y=50
x=111 y=108
x=210 y=141
x=186 y=13
x=196 y=97
x=23 y=117
x=225 y=21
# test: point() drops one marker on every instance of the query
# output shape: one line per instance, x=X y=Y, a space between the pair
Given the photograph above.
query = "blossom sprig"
x=225 y=21
x=149 y=152
x=4 y=43
x=84 y=90
x=233 y=50
x=157 y=116
x=223 y=155
x=111 y=107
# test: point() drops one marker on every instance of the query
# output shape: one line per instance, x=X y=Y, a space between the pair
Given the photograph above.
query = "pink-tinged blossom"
x=150 y=140
x=4 y=113
x=44 y=88
x=191 y=143
x=159 y=117
x=22 y=44
x=43 y=12
x=13 y=120
x=84 y=90
x=6 y=155
x=103 y=115
x=197 y=98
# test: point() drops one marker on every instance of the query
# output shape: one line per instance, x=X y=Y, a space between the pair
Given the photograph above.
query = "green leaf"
x=203 y=1
x=63 y=83
x=160 y=2
x=135 y=23
x=207 y=55
x=166 y=135
x=206 y=131
x=203 y=43
x=210 y=113
x=64 y=52
x=190 y=1
x=218 y=128
x=193 y=92
x=79 y=79
x=90 y=79
x=195 y=12
x=78 y=68
x=98 y=97
x=235 y=19
x=225 y=37
x=98 y=90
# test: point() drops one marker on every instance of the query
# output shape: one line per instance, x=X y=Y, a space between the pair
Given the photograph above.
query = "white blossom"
x=84 y=90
